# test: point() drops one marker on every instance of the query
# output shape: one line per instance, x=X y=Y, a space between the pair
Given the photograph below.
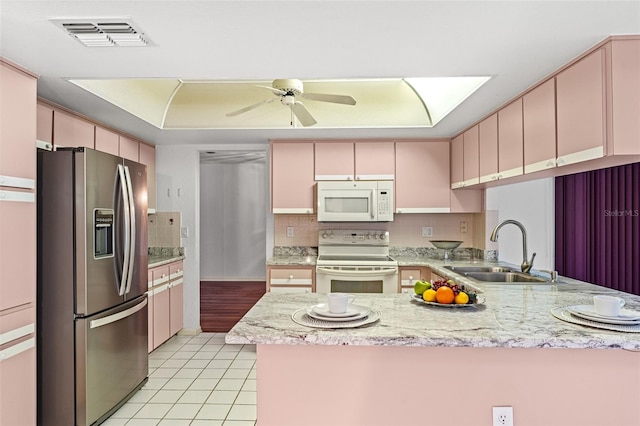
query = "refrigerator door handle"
x=117 y=317
x=127 y=230
x=131 y=229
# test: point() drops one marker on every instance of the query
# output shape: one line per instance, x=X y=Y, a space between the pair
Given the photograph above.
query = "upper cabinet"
x=580 y=99
x=488 y=148
x=359 y=160
x=539 y=120
x=71 y=131
x=44 y=125
x=422 y=177
x=625 y=97
x=106 y=141
x=510 y=140
x=465 y=165
x=148 y=158
x=457 y=162
x=129 y=149
x=292 y=177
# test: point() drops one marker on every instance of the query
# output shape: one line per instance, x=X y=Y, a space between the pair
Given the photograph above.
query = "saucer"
x=352 y=311
x=356 y=317
x=588 y=312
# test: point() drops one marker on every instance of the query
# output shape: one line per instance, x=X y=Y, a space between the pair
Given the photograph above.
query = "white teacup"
x=608 y=305
x=339 y=302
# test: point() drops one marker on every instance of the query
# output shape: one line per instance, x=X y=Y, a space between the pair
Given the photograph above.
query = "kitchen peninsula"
x=428 y=365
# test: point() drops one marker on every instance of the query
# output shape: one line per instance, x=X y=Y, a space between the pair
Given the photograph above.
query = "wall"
x=178 y=189
x=164 y=229
x=233 y=221
x=532 y=204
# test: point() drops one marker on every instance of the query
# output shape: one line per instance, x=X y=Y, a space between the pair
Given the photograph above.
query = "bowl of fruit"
x=445 y=293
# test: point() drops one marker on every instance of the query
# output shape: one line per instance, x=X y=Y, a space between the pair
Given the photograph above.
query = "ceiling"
x=517 y=43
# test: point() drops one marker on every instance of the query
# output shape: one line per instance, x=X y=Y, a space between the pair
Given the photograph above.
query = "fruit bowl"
x=446 y=244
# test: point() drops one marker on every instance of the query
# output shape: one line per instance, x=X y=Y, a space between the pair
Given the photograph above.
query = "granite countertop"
x=513 y=316
x=292 y=260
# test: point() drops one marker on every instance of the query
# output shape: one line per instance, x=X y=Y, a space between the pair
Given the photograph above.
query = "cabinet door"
x=510 y=140
x=129 y=149
x=70 y=131
x=488 y=148
x=18 y=384
x=580 y=100
x=539 y=122
x=17 y=124
x=148 y=158
x=334 y=161
x=150 y=299
x=44 y=127
x=161 y=315
x=471 y=162
x=625 y=73
x=106 y=141
x=422 y=177
x=374 y=160
x=457 y=162
x=176 y=297
x=292 y=177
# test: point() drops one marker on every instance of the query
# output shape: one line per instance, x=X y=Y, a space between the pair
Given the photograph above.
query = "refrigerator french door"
x=92 y=278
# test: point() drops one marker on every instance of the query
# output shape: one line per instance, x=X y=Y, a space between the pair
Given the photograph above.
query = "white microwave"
x=355 y=201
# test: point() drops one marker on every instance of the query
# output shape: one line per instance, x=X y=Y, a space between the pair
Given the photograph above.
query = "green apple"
x=421 y=286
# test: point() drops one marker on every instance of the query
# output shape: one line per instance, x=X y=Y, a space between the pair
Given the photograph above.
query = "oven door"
x=357 y=279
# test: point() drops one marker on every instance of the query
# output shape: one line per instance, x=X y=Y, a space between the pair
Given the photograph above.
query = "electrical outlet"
x=289 y=231
x=463 y=227
x=502 y=416
x=427 y=231
x=184 y=232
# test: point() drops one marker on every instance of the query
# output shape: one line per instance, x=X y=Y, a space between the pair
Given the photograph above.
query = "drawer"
x=290 y=289
x=160 y=275
x=17 y=325
x=175 y=270
x=408 y=277
x=291 y=277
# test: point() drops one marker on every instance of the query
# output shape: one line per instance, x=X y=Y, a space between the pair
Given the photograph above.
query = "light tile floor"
x=195 y=380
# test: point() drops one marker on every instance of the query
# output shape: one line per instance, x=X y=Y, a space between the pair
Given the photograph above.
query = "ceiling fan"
x=287 y=90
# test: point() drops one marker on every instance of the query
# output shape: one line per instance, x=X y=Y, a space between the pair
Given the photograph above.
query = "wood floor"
x=223 y=303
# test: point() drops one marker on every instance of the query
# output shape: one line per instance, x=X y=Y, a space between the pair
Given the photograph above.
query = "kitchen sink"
x=505 y=277
x=465 y=269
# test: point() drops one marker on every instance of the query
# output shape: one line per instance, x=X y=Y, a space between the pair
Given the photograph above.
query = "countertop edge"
x=155 y=262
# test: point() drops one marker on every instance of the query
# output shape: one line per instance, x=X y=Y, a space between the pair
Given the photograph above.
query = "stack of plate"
x=319 y=316
x=588 y=312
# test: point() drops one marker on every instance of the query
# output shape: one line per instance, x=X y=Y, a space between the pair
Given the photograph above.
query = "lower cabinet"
x=408 y=276
x=165 y=303
x=290 y=279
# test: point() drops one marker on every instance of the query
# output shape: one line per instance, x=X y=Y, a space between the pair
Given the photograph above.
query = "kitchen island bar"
x=428 y=365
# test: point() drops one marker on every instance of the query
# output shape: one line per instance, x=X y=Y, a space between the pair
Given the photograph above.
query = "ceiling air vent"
x=100 y=32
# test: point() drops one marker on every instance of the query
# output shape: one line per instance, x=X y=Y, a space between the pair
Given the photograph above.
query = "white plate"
x=479 y=301
x=355 y=317
x=563 y=313
x=301 y=317
x=587 y=312
x=352 y=311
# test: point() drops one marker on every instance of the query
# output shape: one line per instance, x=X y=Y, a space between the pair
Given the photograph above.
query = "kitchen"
x=178 y=160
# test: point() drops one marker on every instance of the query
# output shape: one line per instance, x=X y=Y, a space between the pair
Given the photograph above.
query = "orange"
x=462 y=298
x=445 y=295
x=429 y=295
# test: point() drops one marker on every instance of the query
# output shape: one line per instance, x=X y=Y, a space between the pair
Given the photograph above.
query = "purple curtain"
x=598 y=227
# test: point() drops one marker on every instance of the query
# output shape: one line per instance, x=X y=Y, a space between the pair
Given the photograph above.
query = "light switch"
x=289 y=231
x=427 y=231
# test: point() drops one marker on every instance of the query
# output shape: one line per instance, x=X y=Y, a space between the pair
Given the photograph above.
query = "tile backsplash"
x=164 y=229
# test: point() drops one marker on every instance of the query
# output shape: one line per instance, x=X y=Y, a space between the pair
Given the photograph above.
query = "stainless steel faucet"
x=526 y=264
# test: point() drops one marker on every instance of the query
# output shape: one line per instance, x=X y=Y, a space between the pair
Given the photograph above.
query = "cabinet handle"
x=291 y=276
x=494 y=177
x=560 y=161
x=410 y=277
x=500 y=176
x=307 y=290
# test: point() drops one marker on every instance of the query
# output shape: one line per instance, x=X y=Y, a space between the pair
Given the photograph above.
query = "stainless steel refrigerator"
x=92 y=277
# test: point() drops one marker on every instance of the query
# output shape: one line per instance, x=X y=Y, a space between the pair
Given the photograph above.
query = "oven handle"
x=339 y=272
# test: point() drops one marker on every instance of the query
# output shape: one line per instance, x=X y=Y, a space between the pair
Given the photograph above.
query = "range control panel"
x=356 y=237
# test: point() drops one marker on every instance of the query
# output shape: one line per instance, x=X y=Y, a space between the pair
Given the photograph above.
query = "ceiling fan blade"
x=249 y=108
x=324 y=97
x=305 y=117
x=273 y=89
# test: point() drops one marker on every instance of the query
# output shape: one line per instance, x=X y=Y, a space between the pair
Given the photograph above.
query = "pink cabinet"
x=625 y=97
x=422 y=177
x=510 y=140
x=471 y=162
x=539 y=123
x=161 y=312
x=292 y=177
x=457 y=162
x=44 y=126
x=71 y=131
x=176 y=298
x=334 y=160
x=129 y=149
x=147 y=156
x=581 y=113
x=374 y=160
x=488 y=148
x=106 y=141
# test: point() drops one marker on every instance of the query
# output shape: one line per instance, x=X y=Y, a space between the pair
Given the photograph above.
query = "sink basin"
x=464 y=269
x=505 y=277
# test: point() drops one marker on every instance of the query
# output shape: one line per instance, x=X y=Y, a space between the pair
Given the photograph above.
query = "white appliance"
x=355 y=201
x=355 y=262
